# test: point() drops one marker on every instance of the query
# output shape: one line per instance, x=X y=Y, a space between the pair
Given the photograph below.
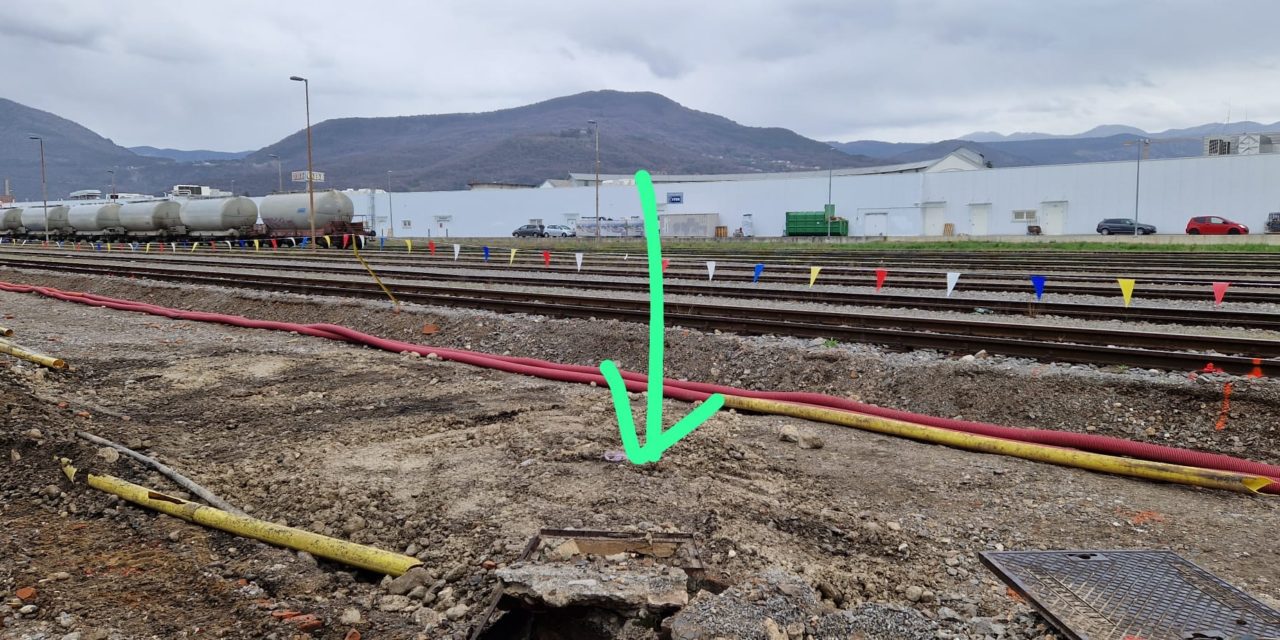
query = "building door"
x=1054 y=221
x=978 y=214
x=875 y=224
x=442 y=226
x=934 y=218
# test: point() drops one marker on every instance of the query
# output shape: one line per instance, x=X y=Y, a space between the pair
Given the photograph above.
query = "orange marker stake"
x=1226 y=407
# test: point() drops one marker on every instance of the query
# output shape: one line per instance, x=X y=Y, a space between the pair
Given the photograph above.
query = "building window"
x=406 y=223
x=1024 y=215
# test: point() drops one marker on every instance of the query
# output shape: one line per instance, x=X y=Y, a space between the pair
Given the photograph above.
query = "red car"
x=1214 y=225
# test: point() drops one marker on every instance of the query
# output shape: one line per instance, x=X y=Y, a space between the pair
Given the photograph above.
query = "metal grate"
x=1132 y=595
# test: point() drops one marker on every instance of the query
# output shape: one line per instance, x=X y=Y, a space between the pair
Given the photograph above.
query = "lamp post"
x=113 y=183
x=311 y=195
x=391 y=209
x=1137 y=179
x=598 y=223
x=44 y=189
x=831 y=165
x=279 y=173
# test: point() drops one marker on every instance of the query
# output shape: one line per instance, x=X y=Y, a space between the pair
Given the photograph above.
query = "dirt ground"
x=460 y=466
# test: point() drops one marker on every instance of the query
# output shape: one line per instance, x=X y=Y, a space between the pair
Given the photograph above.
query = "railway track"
x=1176 y=351
x=330 y=264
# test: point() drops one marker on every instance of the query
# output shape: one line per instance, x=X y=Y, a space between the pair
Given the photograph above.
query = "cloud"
x=161 y=73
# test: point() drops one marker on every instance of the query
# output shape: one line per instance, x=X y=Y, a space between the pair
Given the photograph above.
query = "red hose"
x=694 y=391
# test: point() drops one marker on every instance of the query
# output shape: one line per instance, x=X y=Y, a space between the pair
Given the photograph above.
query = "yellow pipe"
x=350 y=553
x=31 y=356
x=354 y=248
x=1208 y=478
x=5 y=332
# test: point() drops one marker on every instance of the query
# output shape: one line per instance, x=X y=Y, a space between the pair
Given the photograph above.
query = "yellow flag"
x=513 y=257
x=1126 y=288
x=255 y=245
x=108 y=247
x=193 y=246
x=813 y=275
x=148 y=248
x=327 y=242
x=408 y=246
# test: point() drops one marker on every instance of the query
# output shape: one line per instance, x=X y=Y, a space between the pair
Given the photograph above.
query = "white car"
x=559 y=231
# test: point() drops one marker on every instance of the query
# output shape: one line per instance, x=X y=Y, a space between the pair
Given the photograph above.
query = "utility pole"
x=44 y=189
x=311 y=195
x=598 y=223
x=113 y=183
x=391 y=209
x=1143 y=145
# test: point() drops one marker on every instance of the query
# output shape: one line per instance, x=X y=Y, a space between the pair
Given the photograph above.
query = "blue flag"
x=1038 y=283
x=759 y=270
x=486 y=254
x=382 y=242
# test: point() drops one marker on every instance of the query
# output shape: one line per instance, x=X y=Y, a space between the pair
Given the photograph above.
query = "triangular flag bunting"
x=546 y=258
x=759 y=270
x=711 y=269
x=1126 y=289
x=512 y=260
x=257 y=244
x=408 y=246
x=577 y=257
x=665 y=263
x=328 y=243
x=952 y=278
x=881 y=274
x=147 y=249
x=813 y=275
x=382 y=243
x=346 y=240
x=1038 y=283
x=431 y=247
x=1219 y=290
x=457 y=248
x=486 y=253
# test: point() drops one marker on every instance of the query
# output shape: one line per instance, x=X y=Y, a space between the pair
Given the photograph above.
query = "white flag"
x=952 y=278
x=578 y=257
x=457 y=248
x=711 y=269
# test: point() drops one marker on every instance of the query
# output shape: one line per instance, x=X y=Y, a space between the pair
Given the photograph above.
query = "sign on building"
x=675 y=197
x=301 y=176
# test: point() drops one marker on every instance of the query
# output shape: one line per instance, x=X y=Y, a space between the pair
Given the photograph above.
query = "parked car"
x=1123 y=226
x=530 y=231
x=559 y=231
x=1214 y=225
x=1273 y=222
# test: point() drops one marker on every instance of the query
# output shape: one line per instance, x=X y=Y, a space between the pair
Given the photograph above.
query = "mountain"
x=1108 y=130
x=526 y=144
x=196 y=155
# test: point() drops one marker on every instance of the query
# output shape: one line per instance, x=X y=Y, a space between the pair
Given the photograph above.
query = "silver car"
x=559 y=231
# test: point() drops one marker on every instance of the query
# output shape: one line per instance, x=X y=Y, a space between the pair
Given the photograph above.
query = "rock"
x=789 y=433
x=74 y=635
x=66 y=620
x=354 y=524
x=457 y=612
x=427 y=618
x=52 y=491
x=61 y=575
x=772 y=632
x=810 y=441
x=29 y=609
x=418 y=592
x=566 y=551
x=947 y=614
x=988 y=627
x=410 y=580
x=109 y=454
x=14 y=456
x=981 y=355
x=967 y=358
x=914 y=593
x=392 y=604
x=350 y=615
x=34 y=434
x=637 y=588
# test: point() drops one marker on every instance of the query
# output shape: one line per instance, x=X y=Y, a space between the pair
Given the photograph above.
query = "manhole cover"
x=1132 y=595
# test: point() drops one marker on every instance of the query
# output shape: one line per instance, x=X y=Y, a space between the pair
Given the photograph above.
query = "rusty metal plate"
x=1132 y=595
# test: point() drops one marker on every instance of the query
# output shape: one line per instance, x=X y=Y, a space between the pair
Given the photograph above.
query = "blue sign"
x=675 y=197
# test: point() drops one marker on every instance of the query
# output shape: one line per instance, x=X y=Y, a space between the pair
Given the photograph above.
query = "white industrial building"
x=901 y=200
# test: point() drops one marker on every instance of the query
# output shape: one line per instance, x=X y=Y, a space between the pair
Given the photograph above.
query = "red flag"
x=77 y=245
x=1219 y=290
x=546 y=258
x=665 y=263
x=880 y=276
x=274 y=245
x=346 y=240
x=213 y=246
x=431 y=246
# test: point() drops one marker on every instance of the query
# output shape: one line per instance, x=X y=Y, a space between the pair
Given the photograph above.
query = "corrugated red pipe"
x=693 y=391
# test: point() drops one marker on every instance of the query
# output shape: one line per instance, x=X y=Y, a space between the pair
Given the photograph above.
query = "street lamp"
x=279 y=173
x=598 y=223
x=44 y=189
x=391 y=209
x=831 y=165
x=1143 y=144
x=113 y=183
x=311 y=195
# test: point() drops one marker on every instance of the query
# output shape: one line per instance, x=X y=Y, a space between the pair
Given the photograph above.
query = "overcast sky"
x=215 y=74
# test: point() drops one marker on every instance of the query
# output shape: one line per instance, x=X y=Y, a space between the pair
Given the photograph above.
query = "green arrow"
x=656 y=440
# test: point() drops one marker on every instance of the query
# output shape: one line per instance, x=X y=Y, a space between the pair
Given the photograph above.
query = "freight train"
x=283 y=215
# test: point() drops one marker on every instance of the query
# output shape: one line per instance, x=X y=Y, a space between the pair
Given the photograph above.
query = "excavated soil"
x=460 y=466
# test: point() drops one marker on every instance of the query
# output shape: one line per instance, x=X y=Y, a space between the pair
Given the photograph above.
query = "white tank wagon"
x=286 y=213
x=33 y=219
x=150 y=216
x=223 y=217
x=11 y=220
x=95 y=219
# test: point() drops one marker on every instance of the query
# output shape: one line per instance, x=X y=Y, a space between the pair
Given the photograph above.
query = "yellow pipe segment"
x=1195 y=476
x=31 y=356
x=349 y=553
x=5 y=332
